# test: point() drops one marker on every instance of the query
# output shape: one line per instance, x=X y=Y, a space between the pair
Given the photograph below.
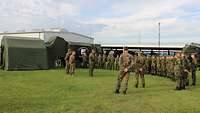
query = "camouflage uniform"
x=85 y=60
x=92 y=62
x=67 y=56
x=108 y=63
x=193 y=69
x=173 y=60
x=177 y=72
x=140 y=63
x=153 y=65
x=104 y=61
x=185 y=72
x=112 y=62
x=117 y=63
x=158 y=66
x=99 y=61
x=125 y=63
x=149 y=61
x=72 y=64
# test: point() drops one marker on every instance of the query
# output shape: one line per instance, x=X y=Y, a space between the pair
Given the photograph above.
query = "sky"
x=108 y=21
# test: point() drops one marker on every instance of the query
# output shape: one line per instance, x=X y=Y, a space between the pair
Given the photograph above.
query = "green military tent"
x=56 y=49
x=192 y=48
x=22 y=53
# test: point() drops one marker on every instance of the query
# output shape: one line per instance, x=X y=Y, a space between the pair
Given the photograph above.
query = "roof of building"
x=28 y=32
x=145 y=46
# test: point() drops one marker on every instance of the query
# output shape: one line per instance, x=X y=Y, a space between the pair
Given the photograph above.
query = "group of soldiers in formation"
x=177 y=68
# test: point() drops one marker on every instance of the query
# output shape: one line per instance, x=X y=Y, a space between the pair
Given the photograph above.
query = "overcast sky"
x=109 y=21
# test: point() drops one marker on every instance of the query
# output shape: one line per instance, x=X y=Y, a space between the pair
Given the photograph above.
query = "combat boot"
x=143 y=85
x=193 y=84
x=178 y=88
x=117 y=91
x=124 y=92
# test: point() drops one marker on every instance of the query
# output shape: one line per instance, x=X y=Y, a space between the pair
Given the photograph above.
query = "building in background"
x=70 y=37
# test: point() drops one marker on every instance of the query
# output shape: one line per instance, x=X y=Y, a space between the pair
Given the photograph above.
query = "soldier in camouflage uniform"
x=173 y=60
x=108 y=63
x=67 y=66
x=99 y=60
x=92 y=62
x=72 y=63
x=117 y=62
x=153 y=65
x=158 y=66
x=104 y=61
x=193 y=68
x=112 y=62
x=149 y=61
x=125 y=63
x=140 y=63
x=185 y=71
x=177 y=71
x=85 y=60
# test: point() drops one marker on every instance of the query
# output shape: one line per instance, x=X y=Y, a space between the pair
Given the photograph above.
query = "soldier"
x=153 y=65
x=85 y=60
x=185 y=71
x=117 y=62
x=104 y=60
x=149 y=61
x=140 y=63
x=177 y=71
x=112 y=62
x=193 y=68
x=108 y=63
x=99 y=60
x=125 y=63
x=72 y=63
x=92 y=62
x=67 y=66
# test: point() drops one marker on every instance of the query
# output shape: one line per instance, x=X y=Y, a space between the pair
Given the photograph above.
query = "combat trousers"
x=139 y=73
x=72 y=69
x=122 y=75
x=91 y=68
x=178 y=79
x=193 y=77
x=67 y=67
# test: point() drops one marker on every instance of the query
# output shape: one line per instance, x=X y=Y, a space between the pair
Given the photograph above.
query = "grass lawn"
x=51 y=91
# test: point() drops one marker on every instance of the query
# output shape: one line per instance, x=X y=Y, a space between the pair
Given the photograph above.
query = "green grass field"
x=52 y=91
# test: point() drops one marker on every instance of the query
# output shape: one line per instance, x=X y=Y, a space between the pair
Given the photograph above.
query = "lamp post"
x=159 y=37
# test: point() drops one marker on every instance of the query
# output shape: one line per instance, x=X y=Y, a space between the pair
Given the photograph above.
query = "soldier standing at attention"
x=185 y=70
x=177 y=71
x=92 y=62
x=67 y=66
x=112 y=62
x=126 y=64
x=72 y=63
x=140 y=63
x=193 y=62
x=99 y=60
x=85 y=60
x=104 y=60
x=117 y=62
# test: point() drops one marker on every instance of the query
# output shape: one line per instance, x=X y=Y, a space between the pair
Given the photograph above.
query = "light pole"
x=159 y=37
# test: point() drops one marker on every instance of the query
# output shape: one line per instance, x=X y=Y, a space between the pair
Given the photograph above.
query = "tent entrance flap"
x=56 y=50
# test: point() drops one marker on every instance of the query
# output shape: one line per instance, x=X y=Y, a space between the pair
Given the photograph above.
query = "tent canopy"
x=22 y=53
